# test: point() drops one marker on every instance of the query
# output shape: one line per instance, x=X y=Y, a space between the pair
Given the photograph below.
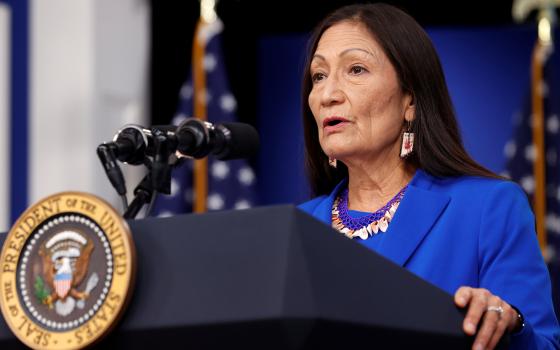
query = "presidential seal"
x=67 y=269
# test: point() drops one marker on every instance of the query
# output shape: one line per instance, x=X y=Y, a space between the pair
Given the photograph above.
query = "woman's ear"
x=410 y=108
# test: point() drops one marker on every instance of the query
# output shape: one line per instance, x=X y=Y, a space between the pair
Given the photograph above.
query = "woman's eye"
x=316 y=77
x=357 y=70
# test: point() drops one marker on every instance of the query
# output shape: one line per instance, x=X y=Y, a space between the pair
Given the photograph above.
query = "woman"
x=385 y=159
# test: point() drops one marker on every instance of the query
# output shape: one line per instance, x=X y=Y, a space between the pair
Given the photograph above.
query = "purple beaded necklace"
x=358 y=223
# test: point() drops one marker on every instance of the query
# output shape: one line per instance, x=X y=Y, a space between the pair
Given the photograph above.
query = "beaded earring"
x=407 y=142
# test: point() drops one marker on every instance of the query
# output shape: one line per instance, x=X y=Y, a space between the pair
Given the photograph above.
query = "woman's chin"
x=334 y=150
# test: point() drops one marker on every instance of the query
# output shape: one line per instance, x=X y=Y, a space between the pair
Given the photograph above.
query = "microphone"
x=193 y=138
x=197 y=139
x=161 y=148
x=131 y=144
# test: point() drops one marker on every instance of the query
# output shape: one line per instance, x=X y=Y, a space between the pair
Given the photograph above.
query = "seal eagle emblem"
x=65 y=264
x=66 y=271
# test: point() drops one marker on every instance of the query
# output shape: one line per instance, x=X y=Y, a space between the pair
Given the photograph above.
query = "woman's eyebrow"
x=356 y=49
x=343 y=53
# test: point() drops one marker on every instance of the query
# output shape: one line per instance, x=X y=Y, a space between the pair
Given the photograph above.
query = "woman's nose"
x=332 y=92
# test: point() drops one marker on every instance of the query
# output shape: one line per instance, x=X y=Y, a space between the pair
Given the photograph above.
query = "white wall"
x=4 y=116
x=89 y=74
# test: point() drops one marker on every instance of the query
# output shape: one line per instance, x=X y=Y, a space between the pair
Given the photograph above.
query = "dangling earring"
x=407 y=142
x=332 y=162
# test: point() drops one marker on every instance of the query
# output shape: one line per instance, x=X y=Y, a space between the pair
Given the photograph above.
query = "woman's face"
x=356 y=99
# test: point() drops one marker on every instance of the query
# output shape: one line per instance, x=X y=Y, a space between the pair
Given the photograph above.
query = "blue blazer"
x=469 y=231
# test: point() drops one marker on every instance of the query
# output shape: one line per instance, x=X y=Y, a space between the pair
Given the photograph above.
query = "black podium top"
x=273 y=278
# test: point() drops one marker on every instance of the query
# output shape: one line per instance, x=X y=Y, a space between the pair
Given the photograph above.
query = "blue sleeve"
x=511 y=265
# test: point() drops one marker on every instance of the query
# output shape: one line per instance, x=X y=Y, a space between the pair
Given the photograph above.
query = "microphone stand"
x=142 y=195
x=158 y=178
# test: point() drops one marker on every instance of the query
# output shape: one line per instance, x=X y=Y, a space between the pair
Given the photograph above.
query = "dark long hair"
x=438 y=148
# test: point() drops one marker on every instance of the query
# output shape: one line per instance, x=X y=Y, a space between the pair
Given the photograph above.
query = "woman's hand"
x=487 y=309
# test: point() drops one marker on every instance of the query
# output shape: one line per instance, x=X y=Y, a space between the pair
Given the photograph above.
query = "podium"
x=272 y=278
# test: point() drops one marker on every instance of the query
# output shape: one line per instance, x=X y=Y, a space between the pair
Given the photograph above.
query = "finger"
x=499 y=332
x=477 y=307
x=490 y=323
x=463 y=295
x=508 y=317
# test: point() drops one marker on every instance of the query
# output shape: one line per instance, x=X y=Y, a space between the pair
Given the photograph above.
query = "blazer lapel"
x=415 y=217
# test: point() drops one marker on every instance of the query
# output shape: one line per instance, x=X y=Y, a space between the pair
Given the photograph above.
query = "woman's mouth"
x=332 y=124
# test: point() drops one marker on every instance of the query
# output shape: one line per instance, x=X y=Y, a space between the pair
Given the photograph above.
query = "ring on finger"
x=498 y=309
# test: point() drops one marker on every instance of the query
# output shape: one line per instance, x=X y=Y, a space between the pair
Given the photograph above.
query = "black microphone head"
x=131 y=144
x=241 y=141
x=193 y=138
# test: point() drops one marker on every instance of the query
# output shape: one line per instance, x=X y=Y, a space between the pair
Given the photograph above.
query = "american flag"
x=231 y=184
x=523 y=152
